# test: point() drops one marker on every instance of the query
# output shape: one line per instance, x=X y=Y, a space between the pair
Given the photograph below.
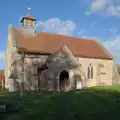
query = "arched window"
x=90 y=71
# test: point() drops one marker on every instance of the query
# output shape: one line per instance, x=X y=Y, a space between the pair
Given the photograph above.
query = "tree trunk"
x=38 y=73
x=22 y=80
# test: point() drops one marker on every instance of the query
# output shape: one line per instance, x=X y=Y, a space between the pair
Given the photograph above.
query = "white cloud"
x=98 y=5
x=113 y=30
x=2 y=55
x=82 y=31
x=58 y=26
x=108 y=7
x=113 y=10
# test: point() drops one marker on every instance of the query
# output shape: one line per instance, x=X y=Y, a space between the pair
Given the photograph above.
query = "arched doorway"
x=63 y=80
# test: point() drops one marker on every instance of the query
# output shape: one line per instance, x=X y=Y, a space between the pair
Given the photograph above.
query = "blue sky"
x=98 y=19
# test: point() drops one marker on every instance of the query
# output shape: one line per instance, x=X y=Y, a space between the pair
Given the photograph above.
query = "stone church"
x=47 y=61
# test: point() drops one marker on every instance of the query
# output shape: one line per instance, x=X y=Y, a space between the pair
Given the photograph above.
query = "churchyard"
x=97 y=103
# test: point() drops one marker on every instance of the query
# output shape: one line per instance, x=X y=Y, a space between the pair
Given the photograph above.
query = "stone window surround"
x=90 y=72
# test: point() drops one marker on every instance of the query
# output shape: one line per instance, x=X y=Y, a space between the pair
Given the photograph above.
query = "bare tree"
x=17 y=71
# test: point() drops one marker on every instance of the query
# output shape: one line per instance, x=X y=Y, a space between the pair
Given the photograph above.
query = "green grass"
x=99 y=103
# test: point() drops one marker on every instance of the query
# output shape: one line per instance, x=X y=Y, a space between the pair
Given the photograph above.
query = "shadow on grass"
x=87 y=104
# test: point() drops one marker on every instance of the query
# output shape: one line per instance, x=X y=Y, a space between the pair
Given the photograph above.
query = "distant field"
x=99 y=103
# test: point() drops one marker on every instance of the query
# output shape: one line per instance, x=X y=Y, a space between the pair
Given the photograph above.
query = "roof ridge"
x=51 y=33
x=106 y=51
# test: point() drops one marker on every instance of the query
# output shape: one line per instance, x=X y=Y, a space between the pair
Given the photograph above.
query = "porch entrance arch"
x=63 y=80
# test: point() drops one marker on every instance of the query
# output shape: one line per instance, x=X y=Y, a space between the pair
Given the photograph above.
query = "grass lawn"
x=99 y=103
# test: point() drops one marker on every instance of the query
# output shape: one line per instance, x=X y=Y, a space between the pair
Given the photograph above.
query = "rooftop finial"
x=29 y=10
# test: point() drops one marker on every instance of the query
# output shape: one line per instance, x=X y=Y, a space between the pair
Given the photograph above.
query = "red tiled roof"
x=49 y=43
